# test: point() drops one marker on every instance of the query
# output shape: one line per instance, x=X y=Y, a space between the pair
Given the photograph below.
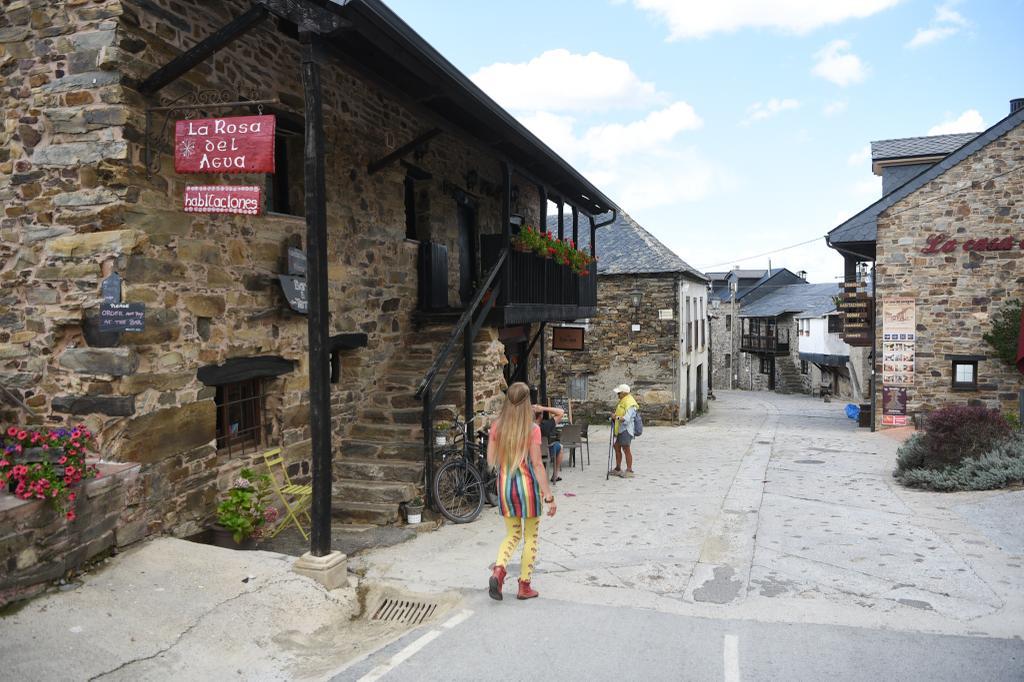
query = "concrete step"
x=380 y=514
x=376 y=492
x=370 y=469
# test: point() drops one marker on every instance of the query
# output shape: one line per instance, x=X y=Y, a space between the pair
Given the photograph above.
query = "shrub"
x=1005 y=330
x=959 y=432
x=1002 y=466
x=911 y=454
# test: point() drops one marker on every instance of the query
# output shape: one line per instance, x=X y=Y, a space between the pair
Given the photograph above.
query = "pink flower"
x=12 y=431
x=62 y=460
x=76 y=433
x=71 y=497
x=70 y=471
x=68 y=480
x=22 y=435
x=71 y=515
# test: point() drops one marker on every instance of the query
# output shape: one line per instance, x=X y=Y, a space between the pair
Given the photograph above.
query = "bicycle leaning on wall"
x=464 y=482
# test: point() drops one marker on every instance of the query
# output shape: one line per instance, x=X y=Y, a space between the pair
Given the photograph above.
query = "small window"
x=286 y=188
x=805 y=368
x=240 y=415
x=728 y=323
x=728 y=360
x=965 y=375
x=410 y=208
x=766 y=366
x=578 y=388
x=835 y=324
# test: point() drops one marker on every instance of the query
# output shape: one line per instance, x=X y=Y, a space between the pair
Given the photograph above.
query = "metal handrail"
x=461 y=325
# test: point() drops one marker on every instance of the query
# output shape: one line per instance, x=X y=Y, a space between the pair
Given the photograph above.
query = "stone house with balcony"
x=724 y=328
x=398 y=179
x=650 y=331
x=944 y=243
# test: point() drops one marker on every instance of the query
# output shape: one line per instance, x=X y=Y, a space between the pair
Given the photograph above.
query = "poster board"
x=567 y=338
x=899 y=341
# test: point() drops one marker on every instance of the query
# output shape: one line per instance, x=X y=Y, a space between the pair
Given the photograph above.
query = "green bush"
x=1003 y=465
x=912 y=454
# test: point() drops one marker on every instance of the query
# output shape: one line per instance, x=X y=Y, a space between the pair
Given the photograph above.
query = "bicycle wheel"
x=458 y=491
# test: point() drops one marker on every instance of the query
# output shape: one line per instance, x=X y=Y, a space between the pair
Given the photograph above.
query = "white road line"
x=399 y=658
x=732 y=659
x=456 y=619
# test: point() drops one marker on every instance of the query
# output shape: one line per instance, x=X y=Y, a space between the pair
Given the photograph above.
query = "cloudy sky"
x=736 y=127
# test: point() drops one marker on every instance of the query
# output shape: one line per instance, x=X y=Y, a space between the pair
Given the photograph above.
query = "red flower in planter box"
x=43 y=465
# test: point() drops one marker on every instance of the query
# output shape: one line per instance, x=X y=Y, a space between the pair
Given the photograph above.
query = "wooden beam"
x=308 y=17
x=199 y=52
x=576 y=227
x=561 y=220
x=419 y=140
x=319 y=317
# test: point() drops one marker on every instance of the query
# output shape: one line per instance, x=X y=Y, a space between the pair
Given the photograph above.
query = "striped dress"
x=518 y=487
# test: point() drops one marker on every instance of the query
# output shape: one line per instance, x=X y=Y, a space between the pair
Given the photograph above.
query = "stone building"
x=723 y=324
x=419 y=184
x=651 y=332
x=947 y=252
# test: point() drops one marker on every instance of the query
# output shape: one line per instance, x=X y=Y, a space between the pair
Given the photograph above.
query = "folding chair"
x=296 y=498
x=585 y=438
x=571 y=442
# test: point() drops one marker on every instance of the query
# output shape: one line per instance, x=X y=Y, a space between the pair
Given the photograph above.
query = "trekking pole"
x=611 y=438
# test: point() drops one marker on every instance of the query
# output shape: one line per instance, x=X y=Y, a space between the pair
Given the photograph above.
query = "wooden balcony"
x=536 y=289
x=762 y=335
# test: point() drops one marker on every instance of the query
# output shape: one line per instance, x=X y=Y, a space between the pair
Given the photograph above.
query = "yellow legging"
x=515 y=530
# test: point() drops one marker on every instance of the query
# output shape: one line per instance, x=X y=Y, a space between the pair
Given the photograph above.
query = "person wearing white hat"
x=622 y=425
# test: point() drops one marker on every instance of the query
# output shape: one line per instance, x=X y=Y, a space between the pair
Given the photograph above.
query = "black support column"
x=319 y=314
x=561 y=220
x=575 y=227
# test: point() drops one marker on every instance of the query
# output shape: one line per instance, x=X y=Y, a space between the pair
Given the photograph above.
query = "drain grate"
x=404 y=611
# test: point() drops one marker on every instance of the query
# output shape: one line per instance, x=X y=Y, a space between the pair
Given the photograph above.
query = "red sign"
x=239 y=144
x=940 y=243
x=241 y=199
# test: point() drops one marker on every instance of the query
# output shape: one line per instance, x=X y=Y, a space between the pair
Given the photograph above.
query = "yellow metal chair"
x=296 y=498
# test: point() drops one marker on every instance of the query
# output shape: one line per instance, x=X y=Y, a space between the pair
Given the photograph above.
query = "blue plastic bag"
x=853 y=411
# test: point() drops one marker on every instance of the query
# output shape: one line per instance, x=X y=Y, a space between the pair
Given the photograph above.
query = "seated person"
x=548 y=419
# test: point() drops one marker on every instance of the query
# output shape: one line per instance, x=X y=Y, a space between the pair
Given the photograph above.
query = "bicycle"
x=464 y=482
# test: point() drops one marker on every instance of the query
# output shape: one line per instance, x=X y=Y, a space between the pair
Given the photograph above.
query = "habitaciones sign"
x=239 y=144
x=240 y=199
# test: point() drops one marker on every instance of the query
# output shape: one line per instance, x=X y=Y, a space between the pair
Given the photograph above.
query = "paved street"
x=766 y=540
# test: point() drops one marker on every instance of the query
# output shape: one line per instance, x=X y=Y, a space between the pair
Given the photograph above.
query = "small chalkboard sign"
x=110 y=288
x=122 y=317
x=567 y=338
x=294 y=289
x=296 y=262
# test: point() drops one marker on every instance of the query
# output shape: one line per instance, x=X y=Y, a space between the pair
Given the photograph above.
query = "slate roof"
x=863 y=227
x=803 y=299
x=906 y=147
x=774 y=279
x=625 y=248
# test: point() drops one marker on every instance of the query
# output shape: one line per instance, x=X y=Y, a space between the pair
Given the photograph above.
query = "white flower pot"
x=412 y=518
x=441 y=440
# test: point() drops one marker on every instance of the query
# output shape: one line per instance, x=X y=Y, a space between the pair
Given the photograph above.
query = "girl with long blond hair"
x=523 y=489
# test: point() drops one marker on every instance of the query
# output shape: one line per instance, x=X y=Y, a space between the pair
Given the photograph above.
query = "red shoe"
x=494 y=584
x=525 y=591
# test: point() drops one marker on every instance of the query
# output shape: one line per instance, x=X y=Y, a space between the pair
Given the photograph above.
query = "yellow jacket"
x=622 y=408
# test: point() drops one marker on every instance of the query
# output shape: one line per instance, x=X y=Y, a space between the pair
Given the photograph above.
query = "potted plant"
x=46 y=465
x=441 y=430
x=244 y=511
x=414 y=510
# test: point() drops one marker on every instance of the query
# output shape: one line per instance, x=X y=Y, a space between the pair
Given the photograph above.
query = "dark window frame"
x=805 y=367
x=728 y=360
x=728 y=323
x=965 y=385
x=246 y=401
x=835 y=324
x=766 y=366
x=289 y=134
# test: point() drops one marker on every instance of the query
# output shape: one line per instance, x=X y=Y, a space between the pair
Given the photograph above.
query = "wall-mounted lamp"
x=636 y=297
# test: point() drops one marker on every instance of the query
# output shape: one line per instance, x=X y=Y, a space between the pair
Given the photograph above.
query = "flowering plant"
x=44 y=465
x=563 y=251
x=247 y=508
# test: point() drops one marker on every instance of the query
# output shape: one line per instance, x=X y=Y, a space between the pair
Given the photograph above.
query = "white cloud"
x=697 y=19
x=667 y=178
x=947 y=22
x=859 y=157
x=559 y=80
x=837 y=64
x=835 y=108
x=609 y=142
x=761 y=110
x=968 y=122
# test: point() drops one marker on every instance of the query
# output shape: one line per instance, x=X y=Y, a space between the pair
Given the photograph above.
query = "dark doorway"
x=468 y=274
x=687 y=392
x=700 y=388
x=771 y=374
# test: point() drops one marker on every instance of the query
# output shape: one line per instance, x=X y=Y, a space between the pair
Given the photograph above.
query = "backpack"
x=638 y=424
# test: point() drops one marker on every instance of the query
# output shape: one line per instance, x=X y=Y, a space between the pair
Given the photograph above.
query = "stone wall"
x=79 y=204
x=38 y=545
x=646 y=360
x=958 y=291
x=750 y=376
x=725 y=342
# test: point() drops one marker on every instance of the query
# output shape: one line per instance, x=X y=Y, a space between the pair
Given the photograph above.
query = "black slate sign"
x=295 y=291
x=296 y=262
x=110 y=288
x=122 y=317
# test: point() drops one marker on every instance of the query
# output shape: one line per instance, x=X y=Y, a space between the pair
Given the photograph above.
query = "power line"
x=761 y=255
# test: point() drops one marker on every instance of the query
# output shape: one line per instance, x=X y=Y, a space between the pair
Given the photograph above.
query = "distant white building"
x=825 y=359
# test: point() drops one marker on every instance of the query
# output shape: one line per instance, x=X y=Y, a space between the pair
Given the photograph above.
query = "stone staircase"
x=790 y=380
x=381 y=461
